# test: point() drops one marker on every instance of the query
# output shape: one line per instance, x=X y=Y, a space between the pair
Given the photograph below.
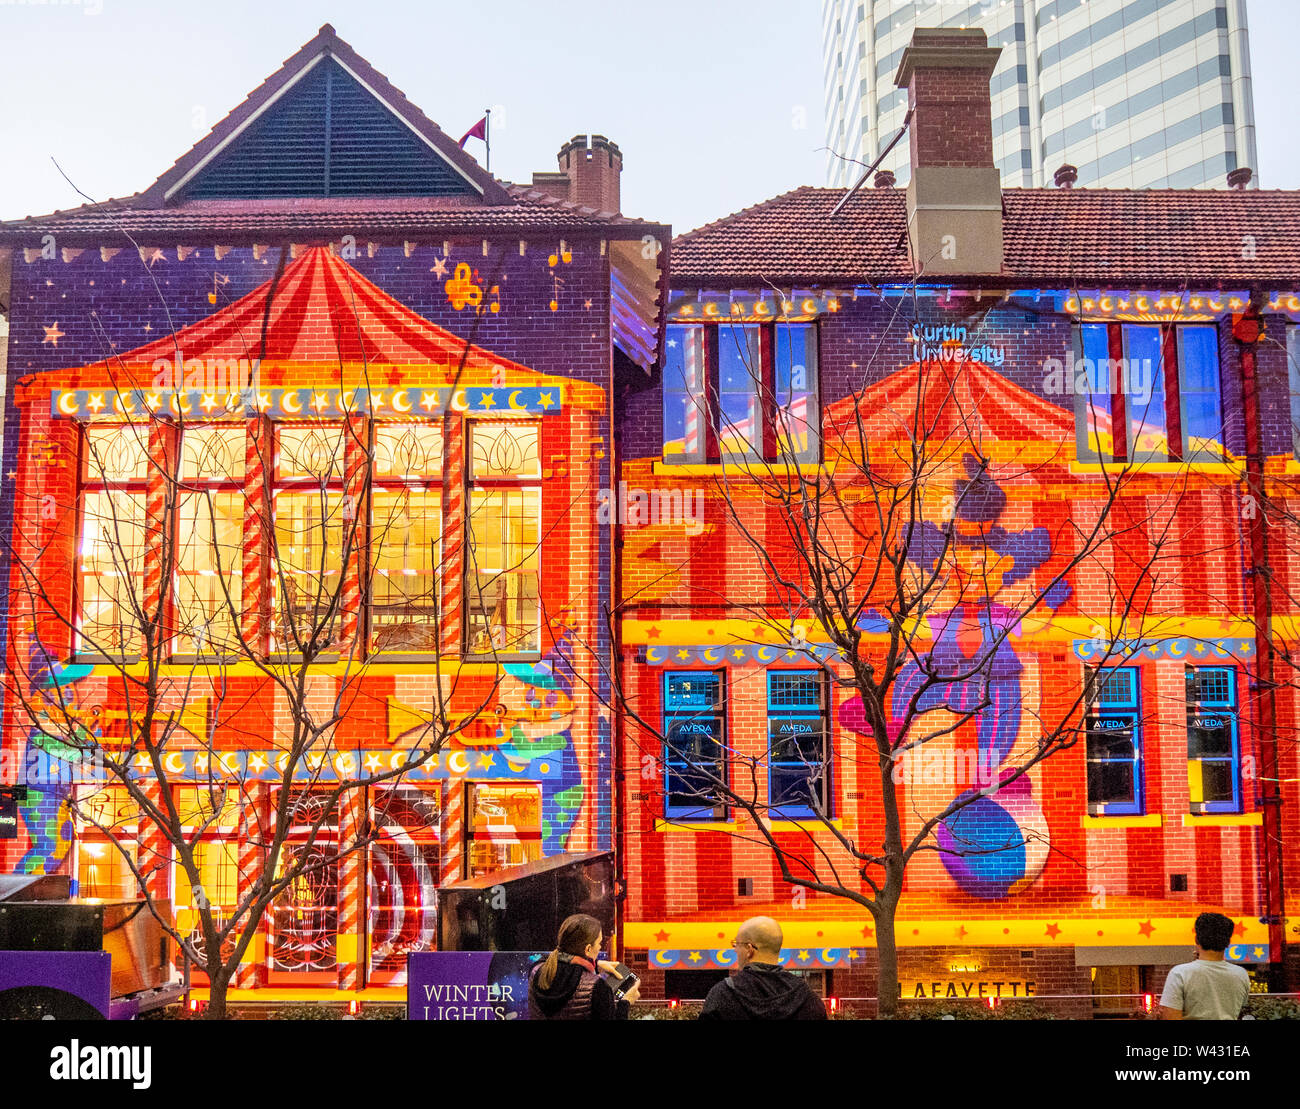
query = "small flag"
x=478 y=131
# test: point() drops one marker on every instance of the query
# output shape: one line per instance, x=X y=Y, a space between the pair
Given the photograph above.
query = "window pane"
x=795 y=381
x=1111 y=783
x=1293 y=377
x=112 y=571
x=739 y=378
x=103 y=872
x=404 y=581
x=1145 y=392
x=408 y=450
x=504 y=450
x=1095 y=428
x=505 y=827
x=501 y=570
x=117 y=452
x=684 y=409
x=1209 y=734
x=213 y=454
x=209 y=553
x=1199 y=390
x=1110 y=738
x=309 y=536
x=1216 y=782
x=311 y=452
x=217 y=807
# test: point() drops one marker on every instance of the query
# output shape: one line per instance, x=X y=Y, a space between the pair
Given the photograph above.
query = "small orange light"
x=673 y=1003
x=833 y=1003
x=1148 y=1002
x=993 y=1002
x=354 y=1007
x=194 y=1005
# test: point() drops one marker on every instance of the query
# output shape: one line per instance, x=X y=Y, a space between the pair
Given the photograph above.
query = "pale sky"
x=715 y=105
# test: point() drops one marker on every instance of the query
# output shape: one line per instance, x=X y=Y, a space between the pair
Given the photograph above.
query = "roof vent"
x=1066 y=176
x=885 y=179
x=1240 y=177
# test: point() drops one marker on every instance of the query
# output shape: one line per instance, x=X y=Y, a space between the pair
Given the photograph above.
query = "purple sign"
x=469 y=985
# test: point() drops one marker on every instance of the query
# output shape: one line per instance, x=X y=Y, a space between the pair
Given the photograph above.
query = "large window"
x=798 y=744
x=504 y=826
x=694 y=739
x=741 y=393
x=209 y=541
x=406 y=523
x=1114 y=743
x=1213 y=762
x=503 y=563
x=1148 y=392
x=115 y=473
x=392 y=522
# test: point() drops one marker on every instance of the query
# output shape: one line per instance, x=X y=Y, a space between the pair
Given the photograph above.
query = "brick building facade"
x=380 y=377
x=945 y=315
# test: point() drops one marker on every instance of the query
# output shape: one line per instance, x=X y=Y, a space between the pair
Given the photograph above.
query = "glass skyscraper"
x=1135 y=93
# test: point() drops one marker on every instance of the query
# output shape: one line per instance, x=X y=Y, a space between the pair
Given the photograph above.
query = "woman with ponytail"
x=569 y=984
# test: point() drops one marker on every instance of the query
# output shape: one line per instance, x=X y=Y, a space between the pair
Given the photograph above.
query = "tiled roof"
x=1084 y=236
x=257 y=219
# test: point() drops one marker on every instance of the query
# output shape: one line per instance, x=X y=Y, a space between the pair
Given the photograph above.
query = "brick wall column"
x=351 y=955
x=160 y=518
x=258 y=586
x=356 y=464
x=253 y=816
x=451 y=609
x=153 y=851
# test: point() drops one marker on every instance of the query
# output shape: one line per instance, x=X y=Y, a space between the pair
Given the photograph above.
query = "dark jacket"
x=763 y=991
x=577 y=993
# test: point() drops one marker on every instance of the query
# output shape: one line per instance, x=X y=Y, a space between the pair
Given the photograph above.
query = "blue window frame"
x=1213 y=746
x=799 y=769
x=695 y=724
x=1114 y=743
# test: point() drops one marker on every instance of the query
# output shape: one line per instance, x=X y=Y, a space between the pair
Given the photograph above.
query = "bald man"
x=761 y=990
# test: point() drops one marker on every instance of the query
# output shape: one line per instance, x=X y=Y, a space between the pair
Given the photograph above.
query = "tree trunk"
x=219 y=983
x=887 y=956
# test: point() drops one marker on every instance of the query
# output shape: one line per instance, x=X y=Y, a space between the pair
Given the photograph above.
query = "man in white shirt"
x=1209 y=988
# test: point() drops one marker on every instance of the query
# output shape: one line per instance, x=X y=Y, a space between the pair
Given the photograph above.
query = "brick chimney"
x=590 y=166
x=954 y=198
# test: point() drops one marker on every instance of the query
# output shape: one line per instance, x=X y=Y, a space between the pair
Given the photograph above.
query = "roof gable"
x=326 y=124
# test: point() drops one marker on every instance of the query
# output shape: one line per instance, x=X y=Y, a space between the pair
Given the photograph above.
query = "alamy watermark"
x=1133 y=377
x=220 y=376
x=638 y=507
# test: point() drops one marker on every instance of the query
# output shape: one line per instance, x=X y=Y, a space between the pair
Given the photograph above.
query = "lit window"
x=504 y=826
x=798 y=767
x=313 y=522
x=1213 y=763
x=406 y=520
x=1114 y=743
x=113 y=539
x=502 y=567
x=694 y=744
x=209 y=541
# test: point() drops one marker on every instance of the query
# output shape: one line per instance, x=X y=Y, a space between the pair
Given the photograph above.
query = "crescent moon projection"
x=291 y=402
x=828 y=956
x=663 y=958
x=400 y=402
x=172 y=762
x=710 y=654
x=64 y=398
x=458 y=402
x=510 y=400
x=651 y=656
x=458 y=762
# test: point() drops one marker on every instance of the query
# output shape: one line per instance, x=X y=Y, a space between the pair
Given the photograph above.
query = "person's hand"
x=633 y=995
x=606 y=967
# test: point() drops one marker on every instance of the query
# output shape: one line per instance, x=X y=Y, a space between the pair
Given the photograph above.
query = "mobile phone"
x=626 y=985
